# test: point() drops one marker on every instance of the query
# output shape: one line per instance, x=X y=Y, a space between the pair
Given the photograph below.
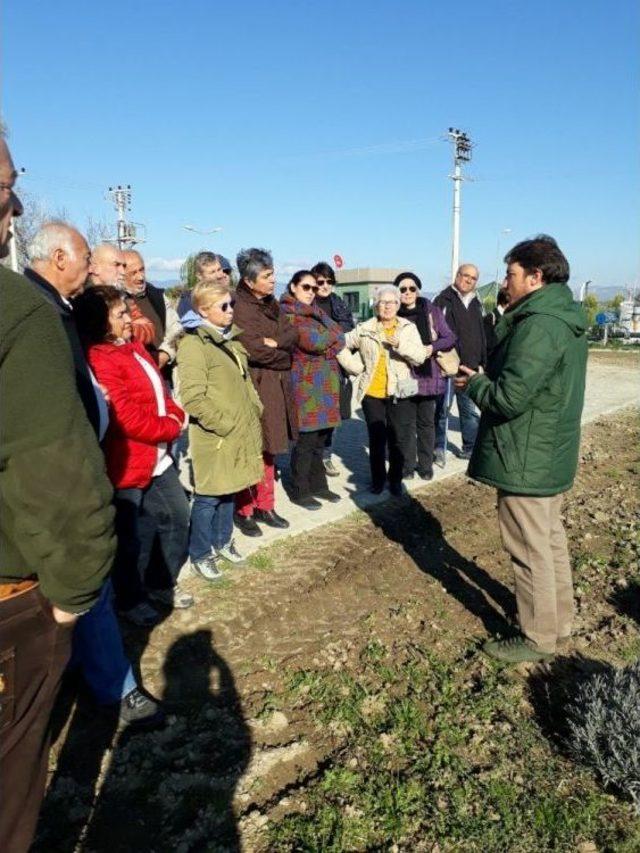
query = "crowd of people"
x=138 y=434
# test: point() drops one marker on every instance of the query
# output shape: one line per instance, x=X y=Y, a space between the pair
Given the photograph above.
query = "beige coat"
x=364 y=345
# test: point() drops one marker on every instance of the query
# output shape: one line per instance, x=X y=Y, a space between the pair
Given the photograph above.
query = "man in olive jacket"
x=531 y=400
x=56 y=528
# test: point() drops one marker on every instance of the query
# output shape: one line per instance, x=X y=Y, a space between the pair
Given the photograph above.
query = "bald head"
x=107 y=265
x=467 y=277
x=10 y=204
x=135 y=274
x=60 y=254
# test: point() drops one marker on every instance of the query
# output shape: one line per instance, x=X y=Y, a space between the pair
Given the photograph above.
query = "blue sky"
x=315 y=127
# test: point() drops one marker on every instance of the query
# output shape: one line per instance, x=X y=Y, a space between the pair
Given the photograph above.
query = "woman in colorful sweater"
x=316 y=385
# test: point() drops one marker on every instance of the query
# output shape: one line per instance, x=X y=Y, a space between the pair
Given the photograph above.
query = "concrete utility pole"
x=461 y=154
x=126 y=231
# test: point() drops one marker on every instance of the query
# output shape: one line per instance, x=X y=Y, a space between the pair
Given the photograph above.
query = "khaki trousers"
x=532 y=533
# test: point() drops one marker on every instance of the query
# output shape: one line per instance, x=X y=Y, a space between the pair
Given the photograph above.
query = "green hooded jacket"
x=531 y=396
x=225 y=435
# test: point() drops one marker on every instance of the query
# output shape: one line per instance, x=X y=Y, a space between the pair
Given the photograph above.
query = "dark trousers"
x=469 y=418
x=308 y=476
x=386 y=423
x=160 y=511
x=418 y=434
x=34 y=651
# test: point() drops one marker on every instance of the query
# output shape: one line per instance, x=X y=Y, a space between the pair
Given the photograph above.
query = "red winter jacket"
x=135 y=427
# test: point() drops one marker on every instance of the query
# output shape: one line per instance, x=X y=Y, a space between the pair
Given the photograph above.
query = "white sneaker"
x=329 y=468
x=207 y=568
x=143 y=615
x=230 y=552
x=175 y=598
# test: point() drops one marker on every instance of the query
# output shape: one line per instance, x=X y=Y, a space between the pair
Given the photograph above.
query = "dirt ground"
x=246 y=674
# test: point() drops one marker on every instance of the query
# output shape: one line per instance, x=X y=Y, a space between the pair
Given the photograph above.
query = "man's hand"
x=163 y=359
x=62 y=617
x=269 y=342
x=464 y=375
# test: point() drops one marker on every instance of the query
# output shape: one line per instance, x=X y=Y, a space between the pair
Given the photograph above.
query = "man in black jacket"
x=60 y=258
x=463 y=312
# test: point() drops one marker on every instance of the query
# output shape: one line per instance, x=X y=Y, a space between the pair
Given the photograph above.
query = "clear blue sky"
x=313 y=127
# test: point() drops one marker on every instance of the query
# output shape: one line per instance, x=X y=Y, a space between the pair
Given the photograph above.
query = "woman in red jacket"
x=143 y=421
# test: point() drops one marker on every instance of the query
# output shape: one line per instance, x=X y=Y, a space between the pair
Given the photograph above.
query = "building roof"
x=367 y=275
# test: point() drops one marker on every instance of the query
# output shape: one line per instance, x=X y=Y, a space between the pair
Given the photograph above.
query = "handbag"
x=448 y=361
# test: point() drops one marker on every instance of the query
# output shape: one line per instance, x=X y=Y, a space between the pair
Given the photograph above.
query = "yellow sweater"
x=378 y=386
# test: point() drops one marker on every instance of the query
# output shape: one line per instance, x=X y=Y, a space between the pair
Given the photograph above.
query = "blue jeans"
x=469 y=419
x=159 y=512
x=97 y=650
x=211 y=524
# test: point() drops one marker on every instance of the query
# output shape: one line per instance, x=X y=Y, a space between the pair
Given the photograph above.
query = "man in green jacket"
x=531 y=400
x=56 y=528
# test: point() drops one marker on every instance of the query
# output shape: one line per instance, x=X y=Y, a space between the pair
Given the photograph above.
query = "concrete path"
x=608 y=388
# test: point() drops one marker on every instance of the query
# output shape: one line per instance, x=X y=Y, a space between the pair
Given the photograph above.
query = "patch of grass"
x=261 y=560
x=442 y=752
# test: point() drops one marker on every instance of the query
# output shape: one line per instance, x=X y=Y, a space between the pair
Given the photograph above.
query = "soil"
x=429 y=566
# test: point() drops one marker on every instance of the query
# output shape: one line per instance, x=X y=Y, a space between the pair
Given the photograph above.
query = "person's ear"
x=59 y=258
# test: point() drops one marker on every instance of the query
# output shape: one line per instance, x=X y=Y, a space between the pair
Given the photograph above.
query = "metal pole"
x=455 y=242
x=13 y=247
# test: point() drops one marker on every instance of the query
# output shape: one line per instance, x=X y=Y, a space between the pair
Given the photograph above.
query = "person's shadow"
x=407 y=522
x=177 y=785
x=626 y=600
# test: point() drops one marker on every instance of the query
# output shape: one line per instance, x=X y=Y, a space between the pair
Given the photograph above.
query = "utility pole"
x=126 y=231
x=461 y=154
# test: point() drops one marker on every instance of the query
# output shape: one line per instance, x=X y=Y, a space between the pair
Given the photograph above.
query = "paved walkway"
x=608 y=388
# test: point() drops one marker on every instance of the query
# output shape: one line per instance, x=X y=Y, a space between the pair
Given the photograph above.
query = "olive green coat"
x=224 y=409
x=532 y=395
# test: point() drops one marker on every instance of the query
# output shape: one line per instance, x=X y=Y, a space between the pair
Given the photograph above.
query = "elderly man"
x=59 y=257
x=463 y=313
x=207 y=267
x=155 y=322
x=56 y=538
x=108 y=265
x=531 y=401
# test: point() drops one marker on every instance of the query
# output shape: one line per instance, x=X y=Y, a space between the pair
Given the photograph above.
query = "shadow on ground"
x=627 y=601
x=407 y=522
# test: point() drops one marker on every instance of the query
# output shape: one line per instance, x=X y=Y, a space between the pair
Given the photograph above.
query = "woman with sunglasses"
x=316 y=387
x=224 y=424
x=419 y=433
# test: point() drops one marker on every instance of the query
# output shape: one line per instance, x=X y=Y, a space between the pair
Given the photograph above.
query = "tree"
x=614 y=304
x=590 y=305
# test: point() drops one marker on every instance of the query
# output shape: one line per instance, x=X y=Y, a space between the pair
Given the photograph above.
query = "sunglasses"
x=227 y=306
x=308 y=287
x=408 y=289
x=322 y=281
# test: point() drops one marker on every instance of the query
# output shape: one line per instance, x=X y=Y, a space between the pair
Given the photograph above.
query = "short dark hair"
x=297 y=277
x=251 y=262
x=91 y=311
x=414 y=278
x=541 y=253
x=503 y=297
x=323 y=269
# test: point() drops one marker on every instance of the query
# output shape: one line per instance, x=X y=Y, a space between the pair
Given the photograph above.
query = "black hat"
x=414 y=278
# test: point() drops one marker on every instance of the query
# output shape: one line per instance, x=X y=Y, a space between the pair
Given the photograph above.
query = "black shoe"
x=140 y=711
x=247 y=524
x=307 y=503
x=396 y=490
x=328 y=495
x=409 y=476
x=425 y=475
x=270 y=517
x=376 y=489
x=464 y=454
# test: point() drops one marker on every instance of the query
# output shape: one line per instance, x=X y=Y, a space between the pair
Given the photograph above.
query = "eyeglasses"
x=408 y=289
x=387 y=302
x=227 y=306
x=308 y=287
x=322 y=281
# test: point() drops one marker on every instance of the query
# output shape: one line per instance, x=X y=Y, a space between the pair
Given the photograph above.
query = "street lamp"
x=500 y=236
x=200 y=230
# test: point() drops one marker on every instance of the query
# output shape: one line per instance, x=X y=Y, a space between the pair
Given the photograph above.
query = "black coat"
x=468 y=326
x=83 y=377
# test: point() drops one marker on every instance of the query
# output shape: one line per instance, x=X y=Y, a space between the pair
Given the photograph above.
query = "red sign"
x=337 y=260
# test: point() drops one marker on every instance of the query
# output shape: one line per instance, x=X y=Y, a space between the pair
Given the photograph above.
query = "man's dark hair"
x=325 y=270
x=91 y=311
x=540 y=253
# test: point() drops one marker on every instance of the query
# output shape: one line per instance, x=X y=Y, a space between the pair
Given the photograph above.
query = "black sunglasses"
x=227 y=305
x=308 y=287
x=408 y=289
x=322 y=281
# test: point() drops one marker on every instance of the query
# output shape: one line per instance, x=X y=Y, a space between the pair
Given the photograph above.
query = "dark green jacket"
x=532 y=395
x=56 y=519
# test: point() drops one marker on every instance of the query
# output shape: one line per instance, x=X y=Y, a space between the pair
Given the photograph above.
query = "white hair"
x=383 y=290
x=52 y=235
